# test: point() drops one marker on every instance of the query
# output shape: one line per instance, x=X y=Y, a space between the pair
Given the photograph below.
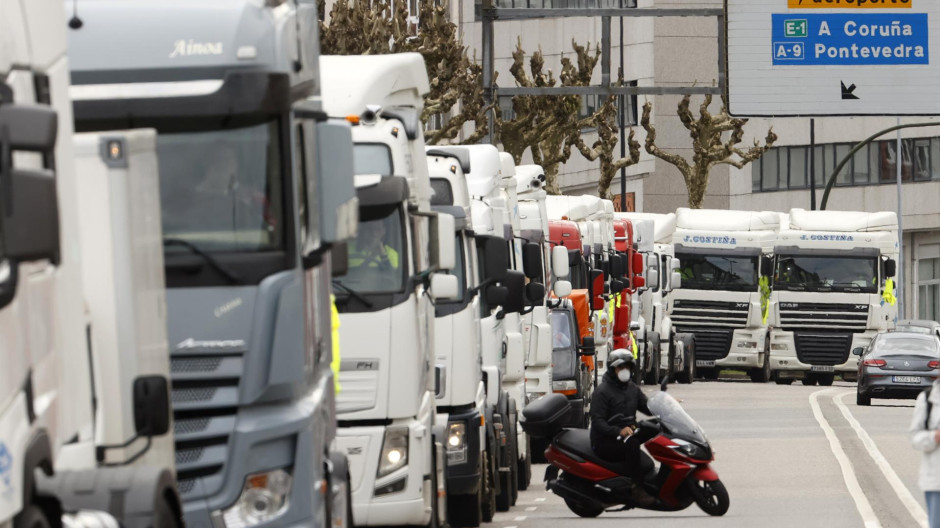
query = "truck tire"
x=688 y=352
x=31 y=517
x=810 y=380
x=488 y=506
x=783 y=381
x=525 y=466
x=762 y=374
x=826 y=379
x=467 y=510
x=654 y=373
x=507 y=478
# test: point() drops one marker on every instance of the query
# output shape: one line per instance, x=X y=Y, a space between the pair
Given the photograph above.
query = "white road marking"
x=848 y=472
x=520 y=518
x=540 y=499
x=532 y=508
x=900 y=489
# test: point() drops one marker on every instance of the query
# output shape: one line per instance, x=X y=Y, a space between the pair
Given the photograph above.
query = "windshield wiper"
x=212 y=261
x=353 y=293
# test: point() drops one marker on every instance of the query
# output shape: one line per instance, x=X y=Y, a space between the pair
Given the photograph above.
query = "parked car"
x=918 y=326
x=897 y=365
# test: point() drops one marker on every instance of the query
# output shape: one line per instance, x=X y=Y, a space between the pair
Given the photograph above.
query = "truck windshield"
x=564 y=359
x=221 y=190
x=377 y=258
x=822 y=273
x=718 y=272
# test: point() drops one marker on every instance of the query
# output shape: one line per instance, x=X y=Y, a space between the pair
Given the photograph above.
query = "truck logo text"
x=829 y=238
x=215 y=345
x=228 y=307
x=726 y=240
x=191 y=48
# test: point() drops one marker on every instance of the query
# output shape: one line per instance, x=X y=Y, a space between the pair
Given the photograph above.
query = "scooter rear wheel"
x=711 y=497
x=584 y=510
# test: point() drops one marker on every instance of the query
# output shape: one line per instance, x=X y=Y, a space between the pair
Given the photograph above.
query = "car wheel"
x=862 y=399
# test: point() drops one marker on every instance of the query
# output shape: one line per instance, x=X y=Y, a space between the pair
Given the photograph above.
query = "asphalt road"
x=790 y=456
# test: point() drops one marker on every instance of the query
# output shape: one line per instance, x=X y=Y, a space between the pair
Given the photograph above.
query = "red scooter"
x=591 y=485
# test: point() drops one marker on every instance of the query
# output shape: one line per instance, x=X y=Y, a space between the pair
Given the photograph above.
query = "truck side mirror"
x=444 y=287
x=634 y=326
x=891 y=268
x=495 y=257
x=330 y=189
x=574 y=257
x=28 y=198
x=535 y=293
x=675 y=281
x=560 y=264
x=561 y=288
x=532 y=260
x=514 y=281
x=858 y=351
x=495 y=296
x=597 y=290
x=616 y=266
x=766 y=266
x=616 y=287
x=587 y=346
x=339 y=258
x=151 y=405
x=443 y=243
x=652 y=276
x=637 y=263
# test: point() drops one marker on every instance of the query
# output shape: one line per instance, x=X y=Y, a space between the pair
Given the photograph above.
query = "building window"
x=928 y=279
x=799 y=167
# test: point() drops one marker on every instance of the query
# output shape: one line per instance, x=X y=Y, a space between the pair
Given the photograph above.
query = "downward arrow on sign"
x=847 y=92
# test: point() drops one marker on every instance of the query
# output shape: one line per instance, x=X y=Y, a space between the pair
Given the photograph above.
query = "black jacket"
x=614 y=397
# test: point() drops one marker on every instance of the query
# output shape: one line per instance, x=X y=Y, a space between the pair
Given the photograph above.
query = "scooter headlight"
x=691 y=450
x=265 y=497
x=394 y=451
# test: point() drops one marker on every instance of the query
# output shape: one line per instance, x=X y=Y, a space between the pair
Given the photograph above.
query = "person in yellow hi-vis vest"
x=370 y=251
x=334 y=323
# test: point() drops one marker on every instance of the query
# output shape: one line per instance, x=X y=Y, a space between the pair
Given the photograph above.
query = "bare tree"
x=711 y=144
x=373 y=27
x=604 y=120
x=546 y=125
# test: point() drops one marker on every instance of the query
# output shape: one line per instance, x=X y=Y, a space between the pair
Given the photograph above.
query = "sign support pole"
x=899 y=162
x=812 y=164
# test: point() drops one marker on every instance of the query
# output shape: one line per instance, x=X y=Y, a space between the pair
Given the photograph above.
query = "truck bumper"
x=463 y=464
x=747 y=347
x=402 y=497
x=784 y=358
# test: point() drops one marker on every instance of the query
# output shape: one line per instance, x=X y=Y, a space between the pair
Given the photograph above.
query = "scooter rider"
x=613 y=419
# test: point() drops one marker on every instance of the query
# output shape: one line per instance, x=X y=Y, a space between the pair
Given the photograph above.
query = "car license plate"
x=907 y=379
x=703 y=363
x=823 y=368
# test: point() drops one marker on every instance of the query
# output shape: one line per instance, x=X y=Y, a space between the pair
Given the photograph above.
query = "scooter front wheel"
x=582 y=509
x=712 y=497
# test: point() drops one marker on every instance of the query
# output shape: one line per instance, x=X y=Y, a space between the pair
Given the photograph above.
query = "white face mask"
x=624 y=375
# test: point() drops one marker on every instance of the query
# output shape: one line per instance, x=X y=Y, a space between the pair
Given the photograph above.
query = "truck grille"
x=205 y=403
x=823 y=348
x=712 y=322
x=710 y=344
x=795 y=317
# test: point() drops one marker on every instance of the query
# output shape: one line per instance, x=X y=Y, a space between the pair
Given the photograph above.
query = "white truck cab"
x=726 y=265
x=829 y=291
x=386 y=407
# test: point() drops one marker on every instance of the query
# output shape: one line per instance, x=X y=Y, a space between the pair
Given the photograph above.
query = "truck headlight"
x=394 y=451
x=456 y=436
x=265 y=497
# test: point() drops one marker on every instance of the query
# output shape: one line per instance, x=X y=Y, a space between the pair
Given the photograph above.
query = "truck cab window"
x=823 y=273
x=564 y=360
x=222 y=190
x=378 y=257
x=718 y=272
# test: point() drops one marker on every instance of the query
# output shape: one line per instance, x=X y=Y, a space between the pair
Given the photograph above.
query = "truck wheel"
x=762 y=375
x=525 y=466
x=467 y=510
x=810 y=380
x=488 y=506
x=507 y=478
x=825 y=380
x=31 y=517
x=783 y=381
x=652 y=346
x=688 y=372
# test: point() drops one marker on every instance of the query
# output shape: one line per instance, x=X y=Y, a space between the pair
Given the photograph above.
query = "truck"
x=726 y=265
x=460 y=388
x=656 y=335
x=55 y=429
x=832 y=285
x=396 y=271
x=255 y=192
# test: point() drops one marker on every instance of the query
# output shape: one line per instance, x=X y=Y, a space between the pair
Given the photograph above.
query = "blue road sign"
x=856 y=39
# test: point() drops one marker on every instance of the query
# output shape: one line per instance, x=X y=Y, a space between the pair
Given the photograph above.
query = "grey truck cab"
x=250 y=211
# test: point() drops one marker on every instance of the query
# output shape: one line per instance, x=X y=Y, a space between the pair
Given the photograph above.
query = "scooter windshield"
x=674 y=417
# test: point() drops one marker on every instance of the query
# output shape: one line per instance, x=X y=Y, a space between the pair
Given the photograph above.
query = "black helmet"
x=620 y=357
